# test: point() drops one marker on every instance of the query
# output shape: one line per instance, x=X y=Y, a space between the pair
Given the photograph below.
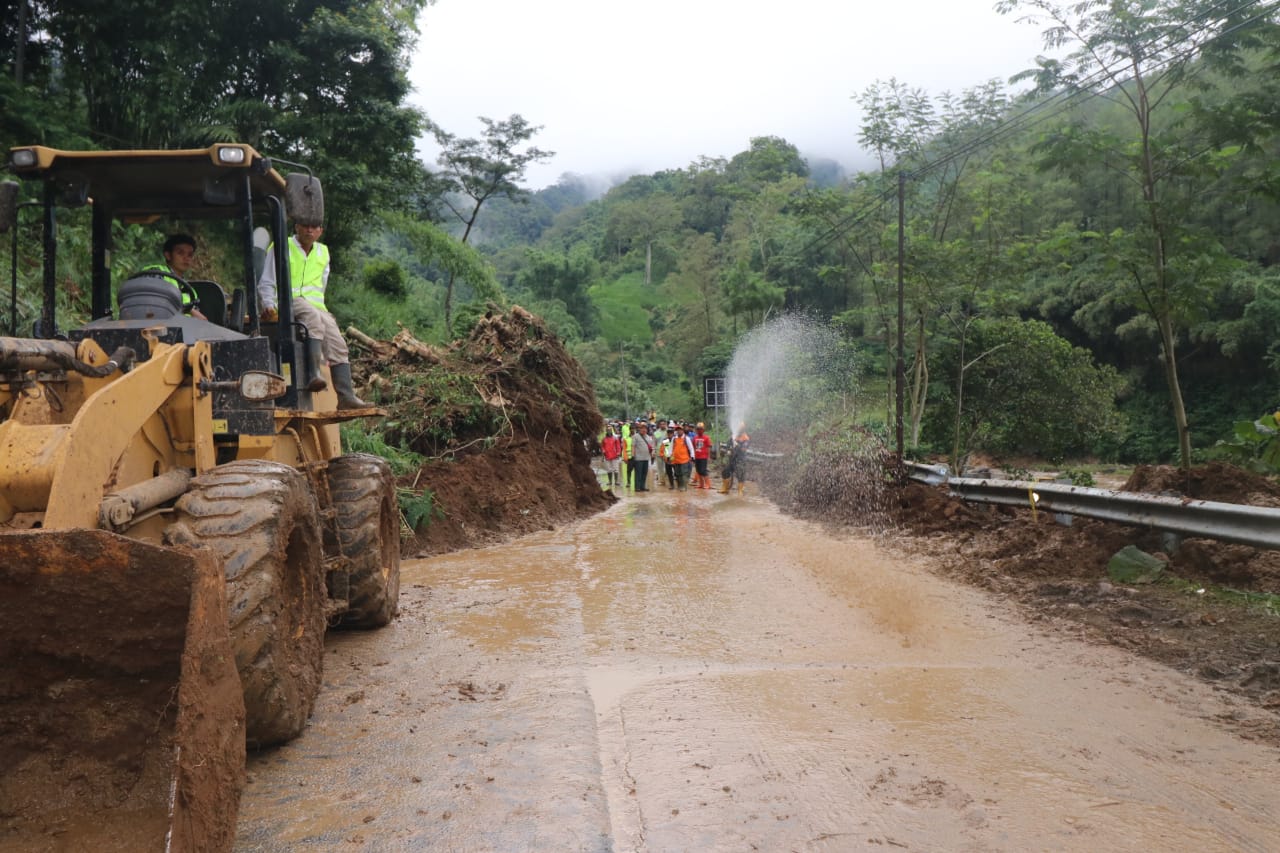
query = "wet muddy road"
x=697 y=672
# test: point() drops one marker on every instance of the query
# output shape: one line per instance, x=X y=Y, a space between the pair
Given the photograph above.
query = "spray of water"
x=794 y=383
x=787 y=372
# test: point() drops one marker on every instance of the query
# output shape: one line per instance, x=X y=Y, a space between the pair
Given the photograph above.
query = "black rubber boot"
x=315 y=366
x=347 y=398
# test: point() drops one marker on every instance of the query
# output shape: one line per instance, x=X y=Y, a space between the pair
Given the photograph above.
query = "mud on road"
x=1212 y=615
x=692 y=671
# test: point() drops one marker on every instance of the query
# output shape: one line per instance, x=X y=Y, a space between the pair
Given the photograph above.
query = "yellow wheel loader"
x=178 y=523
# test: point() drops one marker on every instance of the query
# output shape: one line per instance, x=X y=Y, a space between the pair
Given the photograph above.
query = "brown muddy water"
x=695 y=672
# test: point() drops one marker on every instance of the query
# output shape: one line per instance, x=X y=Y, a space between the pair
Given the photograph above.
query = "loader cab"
x=229 y=184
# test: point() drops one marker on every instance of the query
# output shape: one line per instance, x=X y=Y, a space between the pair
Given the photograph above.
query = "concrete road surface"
x=697 y=672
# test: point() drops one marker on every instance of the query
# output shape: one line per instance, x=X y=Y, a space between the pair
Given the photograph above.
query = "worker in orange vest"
x=681 y=457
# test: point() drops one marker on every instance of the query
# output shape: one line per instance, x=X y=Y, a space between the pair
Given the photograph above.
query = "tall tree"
x=644 y=221
x=563 y=277
x=480 y=169
x=322 y=83
x=1137 y=53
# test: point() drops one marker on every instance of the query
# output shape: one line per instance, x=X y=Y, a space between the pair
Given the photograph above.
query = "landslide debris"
x=504 y=418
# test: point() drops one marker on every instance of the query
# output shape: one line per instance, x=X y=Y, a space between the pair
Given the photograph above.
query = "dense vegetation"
x=1089 y=261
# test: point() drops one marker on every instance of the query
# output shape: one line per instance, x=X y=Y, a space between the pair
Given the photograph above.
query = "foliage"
x=386 y=277
x=1254 y=445
x=564 y=279
x=624 y=307
x=323 y=84
x=417 y=508
x=357 y=438
x=473 y=171
x=438 y=254
x=1126 y=203
x=1079 y=477
x=1027 y=391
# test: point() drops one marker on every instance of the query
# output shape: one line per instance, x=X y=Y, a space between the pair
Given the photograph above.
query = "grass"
x=356 y=440
x=1267 y=603
x=624 y=306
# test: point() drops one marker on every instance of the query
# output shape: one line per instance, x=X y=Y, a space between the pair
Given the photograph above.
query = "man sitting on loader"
x=309 y=276
x=179 y=254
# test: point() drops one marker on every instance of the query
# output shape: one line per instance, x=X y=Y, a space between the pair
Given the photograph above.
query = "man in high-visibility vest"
x=308 y=278
x=179 y=253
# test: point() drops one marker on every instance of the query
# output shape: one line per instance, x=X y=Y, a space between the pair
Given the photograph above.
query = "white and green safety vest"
x=306 y=272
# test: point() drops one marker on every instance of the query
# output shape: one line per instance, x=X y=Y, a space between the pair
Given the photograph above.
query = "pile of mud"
x=504 y=417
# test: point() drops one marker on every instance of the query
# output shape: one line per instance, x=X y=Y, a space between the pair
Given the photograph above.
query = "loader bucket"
x=121 y=715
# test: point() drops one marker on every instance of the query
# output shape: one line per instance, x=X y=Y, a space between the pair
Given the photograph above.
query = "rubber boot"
x=315 y=366
x=724 y=486
x=347 y=398
x=742 y=488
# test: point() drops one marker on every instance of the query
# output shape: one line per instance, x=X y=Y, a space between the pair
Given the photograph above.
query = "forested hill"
x=1089 y=261
x=1089 y=248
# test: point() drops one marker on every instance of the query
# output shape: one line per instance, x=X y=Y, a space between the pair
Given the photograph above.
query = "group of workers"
x=675 y=451
x=308 y=278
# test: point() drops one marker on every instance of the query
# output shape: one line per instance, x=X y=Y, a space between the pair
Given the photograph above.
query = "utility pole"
x=626 y=403
x=20 y=45
x=901 y=370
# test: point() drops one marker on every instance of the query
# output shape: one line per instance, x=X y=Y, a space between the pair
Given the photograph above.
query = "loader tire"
x=262 y=521
x=368 y=530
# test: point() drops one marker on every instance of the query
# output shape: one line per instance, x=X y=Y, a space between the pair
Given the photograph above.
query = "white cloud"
x=638 y=87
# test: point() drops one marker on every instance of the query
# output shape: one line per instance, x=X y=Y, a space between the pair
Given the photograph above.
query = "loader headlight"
x=23 y=158
x=231 y=155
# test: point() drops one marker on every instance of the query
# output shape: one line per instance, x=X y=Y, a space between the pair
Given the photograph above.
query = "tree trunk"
x=648 y=263
x=1175 y=391
x=955 y=443
x=20 y=44
x=448 y=307
x=920 y=384
x=890 y=373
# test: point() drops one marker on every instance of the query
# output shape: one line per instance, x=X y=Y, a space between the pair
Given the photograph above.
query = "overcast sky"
x=621 y=86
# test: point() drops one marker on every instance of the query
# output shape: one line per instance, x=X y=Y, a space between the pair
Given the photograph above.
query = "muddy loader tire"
x=368 y=529
x=262 y=521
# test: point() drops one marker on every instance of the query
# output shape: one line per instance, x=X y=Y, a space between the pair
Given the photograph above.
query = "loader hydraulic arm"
x=22 y=354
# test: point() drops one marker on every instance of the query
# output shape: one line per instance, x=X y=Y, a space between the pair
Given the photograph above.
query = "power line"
x=1069 y=98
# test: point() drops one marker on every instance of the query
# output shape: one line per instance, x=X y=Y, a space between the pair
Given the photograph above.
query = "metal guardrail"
x=1256 y=526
